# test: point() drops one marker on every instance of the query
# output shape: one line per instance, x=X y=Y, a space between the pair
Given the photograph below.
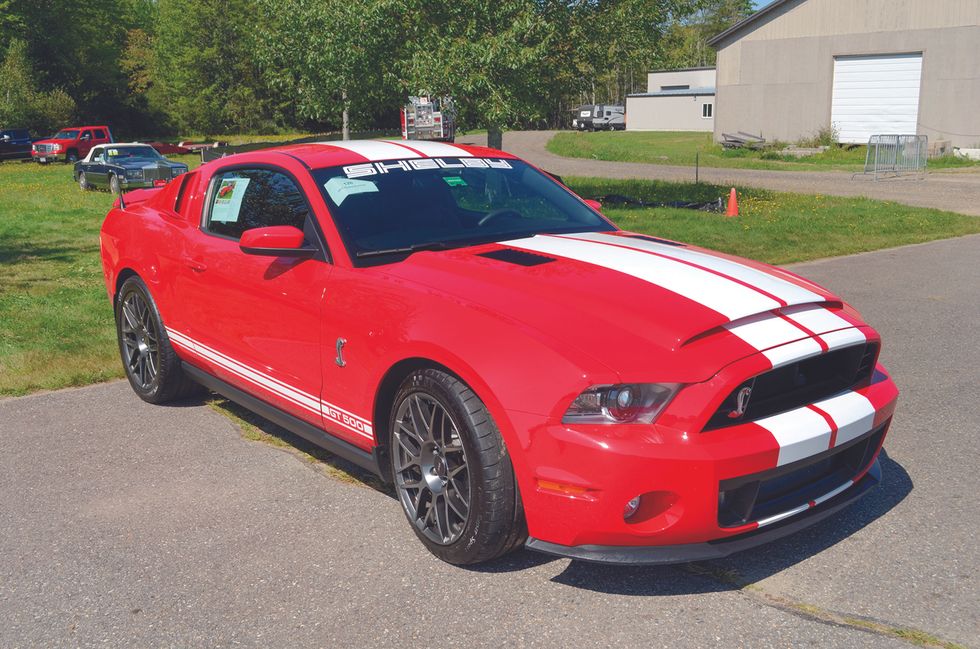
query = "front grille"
x=44 y=148
x=761 y=495
x=156 y=173
x=799 y=384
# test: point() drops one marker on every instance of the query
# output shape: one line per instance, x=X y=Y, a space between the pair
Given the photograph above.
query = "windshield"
x=115 y=155
x=66 y=135
x=447 y=202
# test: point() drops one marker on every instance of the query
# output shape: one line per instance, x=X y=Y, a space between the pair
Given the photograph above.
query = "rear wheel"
x=452 y=473
x=151 y=365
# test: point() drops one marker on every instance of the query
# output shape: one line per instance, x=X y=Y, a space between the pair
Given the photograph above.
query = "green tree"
x=687 y=44
x=21 y=103
x=203 y=67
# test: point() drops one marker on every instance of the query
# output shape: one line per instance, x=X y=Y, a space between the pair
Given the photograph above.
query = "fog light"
x=631 y=507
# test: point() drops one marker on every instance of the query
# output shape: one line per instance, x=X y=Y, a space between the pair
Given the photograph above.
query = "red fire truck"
x=429 y=118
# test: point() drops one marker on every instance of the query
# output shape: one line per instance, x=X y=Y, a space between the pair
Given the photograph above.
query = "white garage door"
x=875 y=94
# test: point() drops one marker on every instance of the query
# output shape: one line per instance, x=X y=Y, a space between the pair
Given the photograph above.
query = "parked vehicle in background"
x=458 y=322
x=600 y=117
x=70 y=144
x=425 y=118
x=15 y=144
x=119 y=167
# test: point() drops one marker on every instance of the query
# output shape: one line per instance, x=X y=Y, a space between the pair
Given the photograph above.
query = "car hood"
x=641 y=306
x=142 y=163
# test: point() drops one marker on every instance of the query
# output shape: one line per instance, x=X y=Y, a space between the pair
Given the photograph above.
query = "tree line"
x=211 y=67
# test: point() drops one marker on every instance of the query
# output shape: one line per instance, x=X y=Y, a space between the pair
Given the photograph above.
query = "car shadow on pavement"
x=739 y=570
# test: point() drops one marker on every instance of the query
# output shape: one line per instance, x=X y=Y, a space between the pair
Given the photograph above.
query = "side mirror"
x=275 y=241
x=596 y=205
x=6 y=138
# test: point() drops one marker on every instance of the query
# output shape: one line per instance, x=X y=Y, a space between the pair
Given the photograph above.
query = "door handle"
x=197 y=266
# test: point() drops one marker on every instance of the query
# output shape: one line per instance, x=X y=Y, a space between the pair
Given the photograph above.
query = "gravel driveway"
x=129 y=525
x=956 y=191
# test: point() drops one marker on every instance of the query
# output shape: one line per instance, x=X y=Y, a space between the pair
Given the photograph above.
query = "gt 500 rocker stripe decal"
x=285 y=391
x=805 y=431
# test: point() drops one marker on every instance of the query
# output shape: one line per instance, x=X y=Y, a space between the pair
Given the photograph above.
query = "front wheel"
x=452 y=473
x=151 y=365
x=114 y=183
x=82 y=181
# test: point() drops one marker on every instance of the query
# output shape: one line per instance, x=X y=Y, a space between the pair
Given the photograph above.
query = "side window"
x=99 y=134
x=253 y=198
x=95 y=155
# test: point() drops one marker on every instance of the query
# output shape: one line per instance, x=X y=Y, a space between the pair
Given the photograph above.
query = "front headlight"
x=176 y=171
x=627 y=403
x=134 y=173
x=56 y=147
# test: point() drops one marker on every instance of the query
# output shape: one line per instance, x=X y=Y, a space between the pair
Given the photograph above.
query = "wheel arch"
x=124 y=274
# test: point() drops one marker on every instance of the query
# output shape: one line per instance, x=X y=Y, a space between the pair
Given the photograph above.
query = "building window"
x=706 y=110
x=665 y=88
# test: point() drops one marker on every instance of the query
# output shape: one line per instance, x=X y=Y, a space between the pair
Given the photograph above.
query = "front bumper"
x=49 y=157
x=701 y=492
x=685 y=553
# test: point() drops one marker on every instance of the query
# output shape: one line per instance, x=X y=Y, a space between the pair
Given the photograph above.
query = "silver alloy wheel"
x=113 y=183
x=141 y=341
x=430 y=468
x=82 y=181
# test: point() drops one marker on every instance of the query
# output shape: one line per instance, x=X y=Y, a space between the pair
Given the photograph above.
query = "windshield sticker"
x=340 y=188
x=113 y=152
x=228 y=201
x=376 y=168
x=454 y=181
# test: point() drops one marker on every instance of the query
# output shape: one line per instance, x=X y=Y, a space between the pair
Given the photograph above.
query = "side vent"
x=518 y=257
x=654 y=239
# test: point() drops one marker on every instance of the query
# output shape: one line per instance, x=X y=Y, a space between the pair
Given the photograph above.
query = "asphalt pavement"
x=129 y=525
x=953 y=190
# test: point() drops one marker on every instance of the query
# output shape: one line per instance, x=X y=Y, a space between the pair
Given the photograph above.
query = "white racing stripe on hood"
x=728 y=298
x=375 y=150
x=782 y=289
x=432 y=149
x=816 y=318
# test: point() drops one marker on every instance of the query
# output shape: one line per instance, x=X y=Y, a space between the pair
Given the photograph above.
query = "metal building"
x=862 y=66
x=676 y=100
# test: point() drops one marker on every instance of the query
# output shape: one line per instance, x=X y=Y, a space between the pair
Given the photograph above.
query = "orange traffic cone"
x=732 y=203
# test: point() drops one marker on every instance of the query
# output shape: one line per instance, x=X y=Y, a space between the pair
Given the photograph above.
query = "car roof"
x=317 y=155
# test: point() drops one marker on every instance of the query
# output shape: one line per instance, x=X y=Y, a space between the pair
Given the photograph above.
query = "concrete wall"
x=677 y=113
x=694 y=78
x=775 y=77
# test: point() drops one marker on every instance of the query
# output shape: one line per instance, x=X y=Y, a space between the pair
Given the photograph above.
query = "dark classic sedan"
x=125 y=166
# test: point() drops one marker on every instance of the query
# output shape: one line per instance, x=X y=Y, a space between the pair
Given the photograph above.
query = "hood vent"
x=518 y=257
x=654 y=239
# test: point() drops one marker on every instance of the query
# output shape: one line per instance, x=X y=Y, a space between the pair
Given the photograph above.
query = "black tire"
x=143 y=338
x=71 y=156
x=114 y=183
x=82 y=181
x=494 y=521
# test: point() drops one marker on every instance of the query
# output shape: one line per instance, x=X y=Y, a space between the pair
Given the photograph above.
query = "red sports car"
x=523 y=371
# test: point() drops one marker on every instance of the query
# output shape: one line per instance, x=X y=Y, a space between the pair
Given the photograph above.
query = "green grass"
x=680 y=148
x=776 y=227
x=56 y=327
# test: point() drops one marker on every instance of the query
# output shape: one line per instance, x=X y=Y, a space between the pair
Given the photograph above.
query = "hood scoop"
x=517 y=257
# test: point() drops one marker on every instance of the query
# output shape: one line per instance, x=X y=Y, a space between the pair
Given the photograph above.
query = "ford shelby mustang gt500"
x=523 y=371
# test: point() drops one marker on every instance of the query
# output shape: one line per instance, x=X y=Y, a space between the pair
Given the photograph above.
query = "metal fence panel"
x=896 y=154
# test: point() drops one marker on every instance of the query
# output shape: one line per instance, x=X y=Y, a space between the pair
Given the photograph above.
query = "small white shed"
x=676 y=100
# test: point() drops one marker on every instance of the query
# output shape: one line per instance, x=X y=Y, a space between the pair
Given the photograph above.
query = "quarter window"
x=254 y=198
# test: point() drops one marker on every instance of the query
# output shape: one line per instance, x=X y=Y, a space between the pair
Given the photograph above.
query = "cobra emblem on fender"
x=741 y=402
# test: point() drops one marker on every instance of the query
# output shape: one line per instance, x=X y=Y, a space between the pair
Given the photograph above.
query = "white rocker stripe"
x=432 y=149
x=853 y=413
x=722 y=295
x=781 y=288
x=277 y=387
x=374 y=150
x=800 y=433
